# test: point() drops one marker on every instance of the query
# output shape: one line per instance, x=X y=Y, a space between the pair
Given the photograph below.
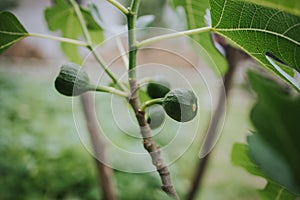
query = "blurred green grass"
x=42 y=157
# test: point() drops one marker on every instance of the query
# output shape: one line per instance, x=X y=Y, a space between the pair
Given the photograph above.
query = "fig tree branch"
x=82 y=22
x=150 y=103
x=111 y=90
x=89 y=42
x=134 y=101
x=105 y=173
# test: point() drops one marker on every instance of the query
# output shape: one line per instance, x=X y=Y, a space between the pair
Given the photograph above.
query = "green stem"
x=82 y=22
x=119 y=6
x=111 y=90
x=61 y=39
x=144 y=81
x=90 y=45
x=131 y=18
x=150 y=103
x=135 y=6
x=172 y=35
x=107 y=71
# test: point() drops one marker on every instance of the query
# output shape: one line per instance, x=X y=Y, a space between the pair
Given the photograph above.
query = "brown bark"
x=105 y=173
x=233 y=56
x=149 y=143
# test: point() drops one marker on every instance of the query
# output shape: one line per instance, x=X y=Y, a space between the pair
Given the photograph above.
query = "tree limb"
x=233 y=56
x=105 y=173
x=149 y=143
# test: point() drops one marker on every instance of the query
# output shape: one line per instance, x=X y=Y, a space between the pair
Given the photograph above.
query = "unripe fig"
x=158 y=87
x=180 y=105
x=72 y=80
x=155 y=116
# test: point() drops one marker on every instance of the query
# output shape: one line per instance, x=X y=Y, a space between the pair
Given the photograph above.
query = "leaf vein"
x=257 y=30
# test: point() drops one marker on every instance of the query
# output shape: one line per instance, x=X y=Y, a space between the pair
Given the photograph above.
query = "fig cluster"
x=179 y=104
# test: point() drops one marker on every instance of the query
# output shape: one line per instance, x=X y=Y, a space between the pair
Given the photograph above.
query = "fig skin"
x=181 y=105
x=158 y=87
x=72 y=80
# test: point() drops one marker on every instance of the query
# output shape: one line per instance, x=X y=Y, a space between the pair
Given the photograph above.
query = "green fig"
x=180 y=105
x=158 y=87
x=72 y=80
x=155 y=116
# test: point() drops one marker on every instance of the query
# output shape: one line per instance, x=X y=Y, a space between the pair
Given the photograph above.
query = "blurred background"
x=41 y=153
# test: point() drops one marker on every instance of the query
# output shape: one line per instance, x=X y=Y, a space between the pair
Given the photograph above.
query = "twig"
x=233 y=55
x=118 y=6
x=87 y=36
x=105 y=173
x=173 y=35
x=134 y=101
x=150 y=145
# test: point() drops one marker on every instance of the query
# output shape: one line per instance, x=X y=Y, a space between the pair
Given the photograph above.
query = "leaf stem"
x=119 y=6
x=82 y=22
x=172 y=35
x=111 y=90
x=61 y=39
x=150 y=103
x=148 y=141
x=90 y=44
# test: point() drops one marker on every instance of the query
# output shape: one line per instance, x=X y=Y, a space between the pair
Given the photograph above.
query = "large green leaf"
x=259 y=31
x=11 y=30
x=291 y=6
x=62 y=16
x=274 y=191
x=195 y=11
x=240 y=157
x=275 y=145
x=273 y=149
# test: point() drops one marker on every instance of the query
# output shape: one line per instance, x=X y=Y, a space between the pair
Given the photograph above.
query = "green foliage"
x=275 y=191
x=274 y=147
x=240 y=157
x=291 y=6
x=259 y=30
x=41 y=157
x=195 y=12
x=11 y=30
x=62 y=16
x=131 y=187
x=153 y=8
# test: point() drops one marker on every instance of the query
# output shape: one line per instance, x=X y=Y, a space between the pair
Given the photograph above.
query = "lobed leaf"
x=195 y=11
x=11 y=30
x=273 y=149
x=240 y=156
x=275 y=146
x=62 y=16
x=274 y=191
x=259 y=31
x=291 y=6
